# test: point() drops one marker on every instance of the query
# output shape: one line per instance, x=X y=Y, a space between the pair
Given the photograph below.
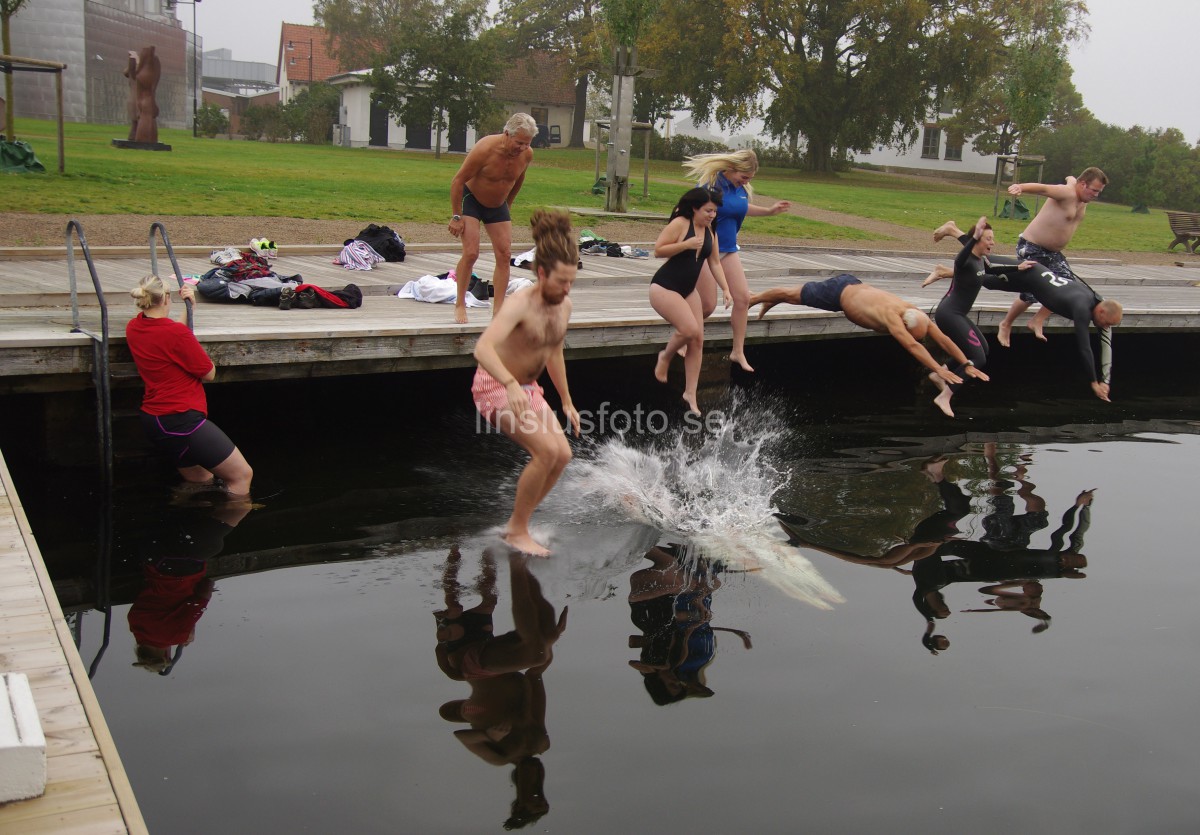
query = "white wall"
x=971 y=162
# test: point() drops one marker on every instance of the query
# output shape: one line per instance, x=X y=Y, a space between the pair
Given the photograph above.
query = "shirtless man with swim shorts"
x=523 y=340
x=877 y=310
x=1048 y=234
x=482 y=192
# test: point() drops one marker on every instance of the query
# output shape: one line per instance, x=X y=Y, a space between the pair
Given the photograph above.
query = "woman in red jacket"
x=174 y=409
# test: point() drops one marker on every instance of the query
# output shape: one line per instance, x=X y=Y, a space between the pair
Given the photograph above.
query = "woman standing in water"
x=730 y=174
x=688 y=242
x=174 y=408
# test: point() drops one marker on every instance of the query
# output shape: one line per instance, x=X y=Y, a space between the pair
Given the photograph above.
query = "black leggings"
x=188 y=439
x=966 y=335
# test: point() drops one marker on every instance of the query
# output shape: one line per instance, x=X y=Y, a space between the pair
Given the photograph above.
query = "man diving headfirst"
x=877 y=310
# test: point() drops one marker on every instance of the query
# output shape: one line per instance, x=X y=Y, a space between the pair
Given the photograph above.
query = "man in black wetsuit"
x=1072 y=299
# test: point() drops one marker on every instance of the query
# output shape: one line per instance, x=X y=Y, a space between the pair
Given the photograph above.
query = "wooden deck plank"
x=87 y=788
x=387 y=334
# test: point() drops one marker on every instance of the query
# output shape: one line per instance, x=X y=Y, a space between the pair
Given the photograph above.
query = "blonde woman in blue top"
x=730 y=175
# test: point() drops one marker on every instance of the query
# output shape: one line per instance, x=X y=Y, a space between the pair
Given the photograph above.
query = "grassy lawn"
x=222 y=178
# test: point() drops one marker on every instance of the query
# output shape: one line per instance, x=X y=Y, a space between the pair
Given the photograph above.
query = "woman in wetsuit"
x=953 y=310
x=688 y=242
x=730 y=174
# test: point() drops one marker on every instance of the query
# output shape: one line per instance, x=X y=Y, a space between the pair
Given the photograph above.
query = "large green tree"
x=1027 y=84
x=432 y=61
x=844 y=74
x=8 y=8
x=563 y=27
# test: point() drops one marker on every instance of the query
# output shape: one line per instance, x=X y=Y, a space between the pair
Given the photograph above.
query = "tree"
x=563 y=27
x=211 y=120
x=1028 y=84
x=846 y=74
x=265 y=121
x=312 y=113
x=432 y=61
x=8 y=8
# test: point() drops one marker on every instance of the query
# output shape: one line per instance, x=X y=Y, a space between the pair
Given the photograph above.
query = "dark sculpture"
x=143 y=72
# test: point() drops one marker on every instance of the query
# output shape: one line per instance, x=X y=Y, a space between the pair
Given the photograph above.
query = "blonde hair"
x=553 y=241
x=521 y=123
x=707 y=167
x=149 y=293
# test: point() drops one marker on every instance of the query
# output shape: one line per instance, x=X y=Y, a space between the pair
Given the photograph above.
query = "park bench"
x=1186 y=226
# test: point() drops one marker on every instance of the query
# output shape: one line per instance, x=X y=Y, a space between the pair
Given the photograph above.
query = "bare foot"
x=526 y=544
x=682 y=350
x=939 y=272
x=1035 y=327
x=690 y=400
x=1004 y=334
x=741 y=360
x=947 y=228
x=942 y=401
x=460 y=314
x=662 y=366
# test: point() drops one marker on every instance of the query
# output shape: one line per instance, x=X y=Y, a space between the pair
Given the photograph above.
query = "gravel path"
x=22 y=229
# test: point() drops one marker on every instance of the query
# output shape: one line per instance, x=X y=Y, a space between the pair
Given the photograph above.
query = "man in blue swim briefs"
x=481 y=193
x=876 y=310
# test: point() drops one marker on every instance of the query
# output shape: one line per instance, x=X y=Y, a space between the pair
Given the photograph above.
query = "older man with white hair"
x=482 y=192
x=876 y=310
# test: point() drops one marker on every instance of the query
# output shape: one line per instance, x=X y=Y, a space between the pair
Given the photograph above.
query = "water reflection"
x=174 y=558
x=506 y=710
x=1003 y=558
x=671 y=603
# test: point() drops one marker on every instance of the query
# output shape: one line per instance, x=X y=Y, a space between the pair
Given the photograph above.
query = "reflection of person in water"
x=671 y=602
x=929 y=535
x=506 y=710
x=1024 y=597
x=1002 y=570
x=163 y=616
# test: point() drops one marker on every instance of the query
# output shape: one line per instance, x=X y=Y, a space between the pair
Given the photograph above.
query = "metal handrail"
x=102 y=380
x=100 y=368
x=162 y=230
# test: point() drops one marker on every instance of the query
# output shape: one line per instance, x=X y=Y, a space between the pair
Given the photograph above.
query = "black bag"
x=383 y=240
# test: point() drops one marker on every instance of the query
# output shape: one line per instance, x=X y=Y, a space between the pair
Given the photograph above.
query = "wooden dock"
x=612 y=315
x=87 y=790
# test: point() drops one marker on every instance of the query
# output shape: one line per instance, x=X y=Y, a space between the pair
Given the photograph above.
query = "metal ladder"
x=102 y=381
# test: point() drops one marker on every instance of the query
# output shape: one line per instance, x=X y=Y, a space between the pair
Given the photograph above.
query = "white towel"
x=430 y=288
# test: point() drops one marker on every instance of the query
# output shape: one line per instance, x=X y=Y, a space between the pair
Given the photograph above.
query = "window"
x=931 y=142
x=954 y=146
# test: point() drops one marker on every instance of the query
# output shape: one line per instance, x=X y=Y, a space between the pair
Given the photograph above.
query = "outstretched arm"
x=1050 y=190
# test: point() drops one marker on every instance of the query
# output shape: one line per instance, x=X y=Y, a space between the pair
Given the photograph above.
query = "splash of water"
x=720 y=482
x=714 y=492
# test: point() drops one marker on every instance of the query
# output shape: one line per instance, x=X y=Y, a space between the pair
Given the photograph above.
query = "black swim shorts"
x=188 y=439
x=471 y=207
x=827 y=294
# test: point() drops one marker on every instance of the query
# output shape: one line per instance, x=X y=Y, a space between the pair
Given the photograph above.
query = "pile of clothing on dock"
x=592 y=244
x=247 y=276
x=371 y=246
x=443 y=288
x=524 y=260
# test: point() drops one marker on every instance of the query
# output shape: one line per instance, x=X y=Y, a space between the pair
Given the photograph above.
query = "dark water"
x=1042 y=543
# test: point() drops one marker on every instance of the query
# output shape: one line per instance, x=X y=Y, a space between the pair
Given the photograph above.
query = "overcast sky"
x=1122 y=71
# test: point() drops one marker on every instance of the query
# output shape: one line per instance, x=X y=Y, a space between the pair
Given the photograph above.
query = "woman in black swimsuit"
x=687 y=242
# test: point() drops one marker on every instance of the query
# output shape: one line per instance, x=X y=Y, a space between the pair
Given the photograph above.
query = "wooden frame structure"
x=11 y=63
